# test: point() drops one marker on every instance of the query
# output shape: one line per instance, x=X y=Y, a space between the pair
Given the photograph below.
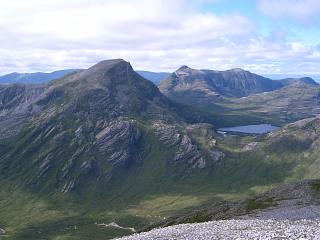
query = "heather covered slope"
x=290 y=211
x=294 y=201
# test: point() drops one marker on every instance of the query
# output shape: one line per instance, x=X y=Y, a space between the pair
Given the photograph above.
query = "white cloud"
x=160 y=35
x=298 y=9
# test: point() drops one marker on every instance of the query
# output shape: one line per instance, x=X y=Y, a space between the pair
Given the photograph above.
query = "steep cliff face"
x=16 y=105
x=16 y=99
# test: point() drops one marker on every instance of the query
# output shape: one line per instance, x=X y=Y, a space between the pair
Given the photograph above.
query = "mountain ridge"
x=34 y=78
x=233 y=83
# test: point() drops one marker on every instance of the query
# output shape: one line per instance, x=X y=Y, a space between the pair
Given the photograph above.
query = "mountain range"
x=38 y=77
x=104 y=145
x=230 y=83
x=238 y=96
x=155 y=77
x=42 y=77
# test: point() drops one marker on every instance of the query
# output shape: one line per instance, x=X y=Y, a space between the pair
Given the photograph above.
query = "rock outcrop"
x=187 y=151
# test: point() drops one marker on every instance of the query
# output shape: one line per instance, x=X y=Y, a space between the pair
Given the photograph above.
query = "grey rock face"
x=117 y=140
x=250 y=147
x=16 y=98
x=217 y=156
x=15 y=105
x=67 y=187
x=186 y=150
x=44 y=167
x=168 y=134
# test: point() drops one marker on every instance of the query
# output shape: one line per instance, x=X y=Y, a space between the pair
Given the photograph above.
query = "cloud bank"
x=153 y=35
x=297 y=9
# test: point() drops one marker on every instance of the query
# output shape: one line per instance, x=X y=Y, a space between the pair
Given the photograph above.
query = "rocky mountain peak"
x=234 y=82
x=99 y=73
x=308 y=80
x=108 y=64
x=183 y=68
x=303 y=80
x=237 y=70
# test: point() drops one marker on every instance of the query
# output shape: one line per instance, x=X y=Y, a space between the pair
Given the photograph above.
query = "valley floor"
x=236 y=229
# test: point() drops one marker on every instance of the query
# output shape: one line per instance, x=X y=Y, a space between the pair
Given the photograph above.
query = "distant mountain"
x=233 y=83
x=230 y=83
x=306 y=80
x=38 y=77
x=294 y=76
x=297 y=100
x=155 y=77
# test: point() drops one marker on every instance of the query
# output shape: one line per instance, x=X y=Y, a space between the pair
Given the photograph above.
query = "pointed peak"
x=308 y=80
x=97 y=72
x=237 y=70
x=106 y=64
x=183 y=68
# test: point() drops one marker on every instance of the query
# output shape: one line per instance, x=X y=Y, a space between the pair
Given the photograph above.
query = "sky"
x=262 y=36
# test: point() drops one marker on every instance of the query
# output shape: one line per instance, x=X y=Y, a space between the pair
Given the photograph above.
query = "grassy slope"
x=150 y=191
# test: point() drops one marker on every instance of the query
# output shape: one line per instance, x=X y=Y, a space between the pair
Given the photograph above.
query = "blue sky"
x=306 y=30
x=263 y=36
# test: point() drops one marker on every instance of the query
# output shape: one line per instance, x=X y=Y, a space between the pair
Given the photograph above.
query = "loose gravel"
x=290 y=213
x=236 y=229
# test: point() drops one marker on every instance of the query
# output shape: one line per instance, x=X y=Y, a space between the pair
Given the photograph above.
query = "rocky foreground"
x=236 y=229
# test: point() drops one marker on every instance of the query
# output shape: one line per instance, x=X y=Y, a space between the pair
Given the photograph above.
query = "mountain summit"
x=235 y=82
x=111 y=87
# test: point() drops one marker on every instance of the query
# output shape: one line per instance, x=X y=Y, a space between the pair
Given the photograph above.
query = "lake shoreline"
x=248 y=129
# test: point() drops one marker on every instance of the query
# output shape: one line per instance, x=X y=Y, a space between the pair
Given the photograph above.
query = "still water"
x=253 y=129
